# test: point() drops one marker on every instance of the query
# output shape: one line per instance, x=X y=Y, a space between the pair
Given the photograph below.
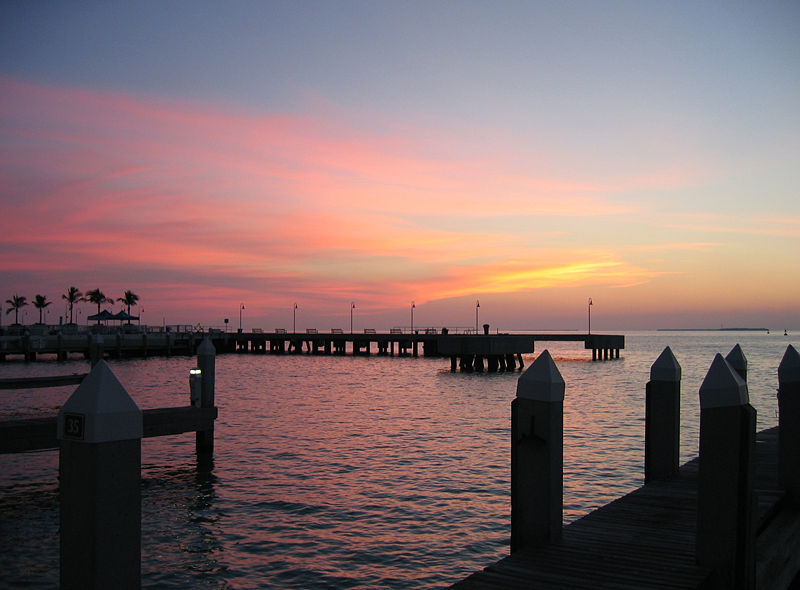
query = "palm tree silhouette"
x=97 y=297
x=129 y=298
x=72 y=296
x=16 y=302
x=40 y=302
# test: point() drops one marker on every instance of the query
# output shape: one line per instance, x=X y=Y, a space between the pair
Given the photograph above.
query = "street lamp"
x=352 y=307
x=590 y=315
x=477 y=307
x=294 y=319
x=241 y=307
x=413 y=305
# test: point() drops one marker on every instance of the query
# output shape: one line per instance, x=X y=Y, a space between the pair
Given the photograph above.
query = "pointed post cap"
x=542 y=381
x=723 y=387
x=100 y=410
x=666 y=367
x=206 y=347
x=736 y=359
x=789 y=369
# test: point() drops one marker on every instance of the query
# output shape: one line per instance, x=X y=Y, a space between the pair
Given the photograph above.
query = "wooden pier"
x=470 y=352
x=727 y=519
x=646 y=539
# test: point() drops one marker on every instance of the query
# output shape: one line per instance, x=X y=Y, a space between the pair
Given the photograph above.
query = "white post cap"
x=542 y=381
x=100 y=410
x=666 y=367
x=789 y=369
x=723 y=387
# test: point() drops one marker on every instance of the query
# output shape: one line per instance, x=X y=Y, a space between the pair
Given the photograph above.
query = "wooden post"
x=789 y=423
x=738 y=361
x=99 y=430
x=206 y=362
x=725 y=497
x=537 y=455
x=662 y=418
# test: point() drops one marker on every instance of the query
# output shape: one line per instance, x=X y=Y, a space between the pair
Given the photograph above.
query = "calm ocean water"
x=355 y=472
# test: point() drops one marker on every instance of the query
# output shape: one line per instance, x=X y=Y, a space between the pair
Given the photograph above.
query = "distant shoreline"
x=712 y=330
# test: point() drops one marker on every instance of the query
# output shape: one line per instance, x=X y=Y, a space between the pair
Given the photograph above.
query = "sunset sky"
x=529 y=155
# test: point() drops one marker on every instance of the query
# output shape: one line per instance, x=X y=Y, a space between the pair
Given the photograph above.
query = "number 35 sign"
x=74 y=426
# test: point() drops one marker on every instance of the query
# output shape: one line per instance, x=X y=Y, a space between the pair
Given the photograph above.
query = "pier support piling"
x=725 y=496
x=537 y=455
x=99 y=429
x=662 y=418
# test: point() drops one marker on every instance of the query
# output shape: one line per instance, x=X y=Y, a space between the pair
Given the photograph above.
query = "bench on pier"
x=311 y=331
x=369 y=330
x=336 y=331
x=396 y=331
x=280 y=330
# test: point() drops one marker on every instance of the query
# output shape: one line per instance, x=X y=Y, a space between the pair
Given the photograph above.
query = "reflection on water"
x=354 y=472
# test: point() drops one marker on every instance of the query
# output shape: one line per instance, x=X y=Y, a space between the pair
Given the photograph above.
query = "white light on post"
x=477 y=307
x=195 y=386
x=413 y=305
x=352 y=307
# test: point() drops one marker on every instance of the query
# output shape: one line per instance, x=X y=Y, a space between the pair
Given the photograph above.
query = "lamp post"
x=590 y=315
x=413 y=305
x=477 y=307
x=352 y=307
x=241 y=307
x=294 y=319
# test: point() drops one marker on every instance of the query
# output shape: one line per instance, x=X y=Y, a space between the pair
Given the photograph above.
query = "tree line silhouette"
x=72 y=297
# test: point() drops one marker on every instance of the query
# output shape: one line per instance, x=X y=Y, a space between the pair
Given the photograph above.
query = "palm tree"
x=97 y=297
x=40 y=302
x=129 y=298
x=72 y=296
x=16 y=302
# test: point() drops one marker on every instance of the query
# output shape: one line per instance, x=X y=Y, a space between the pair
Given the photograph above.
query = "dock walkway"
x=646 y=539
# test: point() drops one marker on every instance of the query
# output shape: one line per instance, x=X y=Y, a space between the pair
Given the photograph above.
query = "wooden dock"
x=646 y=539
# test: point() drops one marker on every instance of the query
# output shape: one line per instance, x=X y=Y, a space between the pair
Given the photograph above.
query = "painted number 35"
x=73 y=426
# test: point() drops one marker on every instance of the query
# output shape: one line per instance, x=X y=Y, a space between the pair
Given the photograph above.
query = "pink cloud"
x=94 y=180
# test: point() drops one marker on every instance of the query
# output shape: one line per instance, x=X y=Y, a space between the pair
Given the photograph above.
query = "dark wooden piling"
x=738 y=361
x=100 y=432
x=789 y=421
x=725 y=496
x=537 y=457
x=206 y=362
x=662 y=418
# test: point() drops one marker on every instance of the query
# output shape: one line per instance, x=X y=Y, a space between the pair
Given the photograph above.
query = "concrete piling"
x=99 y=430
x=662 y=418
x=725 y=496
x=537 y=455
x=789 y=423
